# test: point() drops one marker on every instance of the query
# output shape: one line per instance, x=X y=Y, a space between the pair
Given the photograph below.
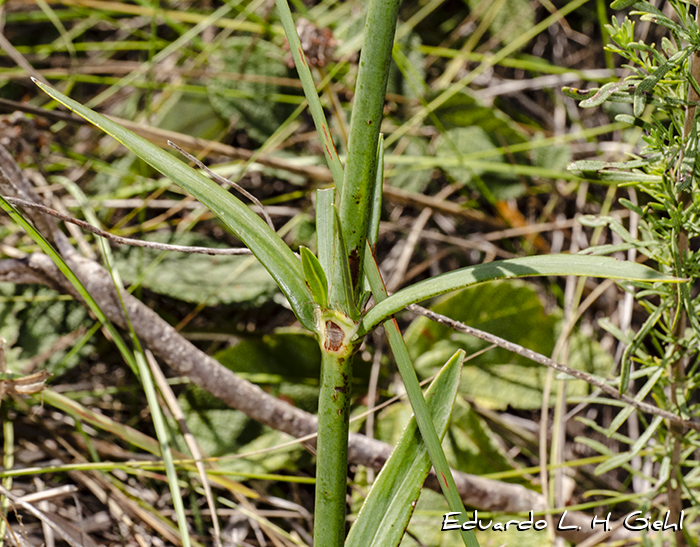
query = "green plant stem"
x=8 y=462
x=365 y=123
x=332 y=448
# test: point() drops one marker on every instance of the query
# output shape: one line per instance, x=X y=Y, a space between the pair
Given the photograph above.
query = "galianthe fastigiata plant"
x=329 y=292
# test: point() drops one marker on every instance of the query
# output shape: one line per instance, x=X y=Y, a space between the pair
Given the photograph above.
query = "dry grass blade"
x=125 y=240
x=177 y=413
x=67 y=532
x=23 y=385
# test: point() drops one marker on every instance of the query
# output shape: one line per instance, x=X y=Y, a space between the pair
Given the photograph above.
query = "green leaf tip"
x=315 y=276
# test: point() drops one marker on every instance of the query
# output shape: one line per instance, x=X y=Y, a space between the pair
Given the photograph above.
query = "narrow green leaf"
x=581 y=265
x=325 y=227
x=622 y=416
x=636 y=342
x=622 y=4
x=640 y=101
x=315 y=276
x=596 y=171
x=376 y=202
x=341 y=293
x=601 y=95
x=387 y=510
x=587 y=166
x=649 y=83
x=623 y=458
x=307 y=83
x=420 y=408
x=265 y=244
x=631 y=120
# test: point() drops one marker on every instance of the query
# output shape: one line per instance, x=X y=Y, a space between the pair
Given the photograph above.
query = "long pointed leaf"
x=307 y=83
x=415 y=396
x=581 y=265
x=325 y=227
x=340 y=294
x=385 y=514
x=265 y=244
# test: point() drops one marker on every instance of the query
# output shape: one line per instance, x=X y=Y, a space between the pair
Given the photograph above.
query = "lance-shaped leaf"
x=415 y=396
x=622 y=4
x=601 y=95
x=597 y=170
x=315 y=276
x=265 y=244
x=530 y=266
x=385 y=514
x=647 y=85
x=621 y=459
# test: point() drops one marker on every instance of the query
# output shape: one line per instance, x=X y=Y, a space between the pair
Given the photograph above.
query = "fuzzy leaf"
x=622 y=4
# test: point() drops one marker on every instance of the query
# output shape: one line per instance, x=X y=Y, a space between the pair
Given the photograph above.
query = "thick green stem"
x=365 y=123
x=332 y=444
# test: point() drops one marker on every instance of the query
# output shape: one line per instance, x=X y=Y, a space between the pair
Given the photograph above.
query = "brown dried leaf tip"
x=22 y=385
x=16 y=384
x=318 y=44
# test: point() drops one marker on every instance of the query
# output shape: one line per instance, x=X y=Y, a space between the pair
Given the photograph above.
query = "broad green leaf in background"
x=194 y=115
x=258 y=114
x=196 y=278
x=556 y=156
x=463 y=110
x=499 y=378
x=272 y=252
x=287 y=366
x=413 y=180
x=33 y=319
x=388 y=508
x=222 y=431
x=279 y=361
x=470 y=444
x=514 y=19
x=469 y=140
